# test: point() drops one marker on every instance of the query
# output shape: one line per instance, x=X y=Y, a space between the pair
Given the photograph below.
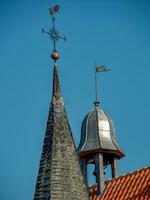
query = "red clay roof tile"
x=132 y=186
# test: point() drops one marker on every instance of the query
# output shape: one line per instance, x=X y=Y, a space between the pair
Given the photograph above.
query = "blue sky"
x=114 y=33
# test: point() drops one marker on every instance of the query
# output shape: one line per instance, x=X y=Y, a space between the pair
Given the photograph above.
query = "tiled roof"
x=132 y=186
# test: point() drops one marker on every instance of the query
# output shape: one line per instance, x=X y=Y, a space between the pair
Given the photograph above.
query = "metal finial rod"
x=53 y=33
x=96 y=86
x=98 y=69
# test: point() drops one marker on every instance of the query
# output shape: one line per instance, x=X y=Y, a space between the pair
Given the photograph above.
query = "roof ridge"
x=126 y=174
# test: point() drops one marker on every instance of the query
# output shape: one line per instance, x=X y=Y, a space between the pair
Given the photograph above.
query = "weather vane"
x=53 y=33
x=98 y=69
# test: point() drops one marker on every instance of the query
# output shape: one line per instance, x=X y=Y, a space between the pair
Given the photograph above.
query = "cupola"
x=98 y=145
x=98 y=134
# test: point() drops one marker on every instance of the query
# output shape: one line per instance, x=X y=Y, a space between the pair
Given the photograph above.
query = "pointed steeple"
x=56 y=94
x=59 y=176
x=56 y=84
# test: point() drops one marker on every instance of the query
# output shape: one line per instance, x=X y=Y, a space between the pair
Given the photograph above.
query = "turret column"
x=83 y=165
x=99 y=164
x=114 y=168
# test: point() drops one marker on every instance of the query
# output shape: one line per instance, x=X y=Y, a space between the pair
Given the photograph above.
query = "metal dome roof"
x=98 y=134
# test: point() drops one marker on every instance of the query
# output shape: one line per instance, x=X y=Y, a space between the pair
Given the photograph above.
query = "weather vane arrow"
x=53 y=33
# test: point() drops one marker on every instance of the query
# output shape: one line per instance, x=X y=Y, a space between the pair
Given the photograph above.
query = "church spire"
x=59 y=176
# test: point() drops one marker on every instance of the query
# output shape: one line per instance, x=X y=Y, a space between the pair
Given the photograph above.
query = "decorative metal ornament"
x=54 y=9
x=53 y=33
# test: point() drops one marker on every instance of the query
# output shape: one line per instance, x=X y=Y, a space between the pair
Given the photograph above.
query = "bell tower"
x=98 y=144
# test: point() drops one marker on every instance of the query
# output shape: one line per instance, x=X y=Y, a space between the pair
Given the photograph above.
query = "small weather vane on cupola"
x=53 y=33
x=98 y=69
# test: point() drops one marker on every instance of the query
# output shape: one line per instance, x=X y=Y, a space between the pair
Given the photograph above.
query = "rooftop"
x=131 y=186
